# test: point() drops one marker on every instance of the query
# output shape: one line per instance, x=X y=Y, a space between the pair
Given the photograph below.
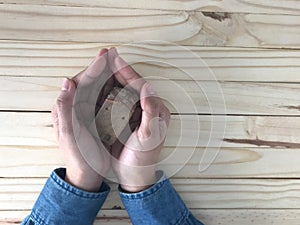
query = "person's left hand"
x=84 y=155
x=134 y=160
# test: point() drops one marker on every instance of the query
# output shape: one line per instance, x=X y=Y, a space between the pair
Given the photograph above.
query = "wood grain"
x=207 y=216
x=35 y=129
x=250 y=47
x=33 y=58
x=61 y=59
x=20 y=194
x=245 y=6
x=183 y=162
x=55 y=23
x=180 y=96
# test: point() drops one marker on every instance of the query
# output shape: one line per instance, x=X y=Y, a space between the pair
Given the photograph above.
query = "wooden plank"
x=248 y=217
x=207 y=216
x=107 y=217
x=17 y=161
x=246 y=6
x=231 y=162
x=29 y=161
x=52 y=59
x=20 y=194
x=180 y=96
x=55 y=23
x=254 y=146
x=35 y=129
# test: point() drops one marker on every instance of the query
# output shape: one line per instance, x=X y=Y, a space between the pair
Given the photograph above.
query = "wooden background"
x=252 y=47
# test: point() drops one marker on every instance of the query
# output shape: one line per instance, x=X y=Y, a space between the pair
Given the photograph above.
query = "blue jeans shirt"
x=60 y=203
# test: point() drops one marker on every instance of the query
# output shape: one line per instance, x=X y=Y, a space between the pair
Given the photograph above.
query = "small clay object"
x=115 y=113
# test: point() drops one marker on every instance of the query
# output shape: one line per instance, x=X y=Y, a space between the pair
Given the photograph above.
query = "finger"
x=94 y=70
x=64 y=107
x=150 y=110
x=112 y=54
x=108 y=86
x=124 y=73
x=55 y=121
x=164 y=113
x=78 y=76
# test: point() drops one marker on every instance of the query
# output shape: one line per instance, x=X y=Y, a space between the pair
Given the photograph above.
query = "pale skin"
x=134 y=162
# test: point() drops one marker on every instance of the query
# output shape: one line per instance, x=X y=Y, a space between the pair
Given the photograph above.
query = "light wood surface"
x=61 y=59
x=246 y=50
x=247 y=6
x=181 y=96
x=35 y=129
x=35 y=161
x=56 y=23
x=197 y=193
x=208 y=216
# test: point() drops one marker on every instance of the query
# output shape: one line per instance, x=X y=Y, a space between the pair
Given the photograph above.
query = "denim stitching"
x=75 y=191
x=184 y=217
x=37 y=219
x=144 y=194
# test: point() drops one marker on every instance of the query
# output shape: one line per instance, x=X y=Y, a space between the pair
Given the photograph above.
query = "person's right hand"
x=71 y=118
x=134 y=162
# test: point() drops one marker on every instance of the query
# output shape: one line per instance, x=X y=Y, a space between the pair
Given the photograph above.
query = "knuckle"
x=151 y=105
x=66 y=130
x=61 y=102
x=166 y=110
x=165 y=113
x=144 y=132
x=63 y=99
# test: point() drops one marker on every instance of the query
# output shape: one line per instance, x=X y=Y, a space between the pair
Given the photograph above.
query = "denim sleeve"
x=60 y=203
x=158 y=205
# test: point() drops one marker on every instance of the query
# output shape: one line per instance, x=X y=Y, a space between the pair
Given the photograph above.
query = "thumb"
x=150 y=112
x=64 y=107
x=152 y=130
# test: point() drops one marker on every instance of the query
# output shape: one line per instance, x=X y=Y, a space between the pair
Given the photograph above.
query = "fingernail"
x=102 y=52
x=150 y=89
x=65 y=85
x=114 y=50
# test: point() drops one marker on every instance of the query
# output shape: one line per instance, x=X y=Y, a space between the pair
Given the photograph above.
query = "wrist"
x=139 y=183
x=84 y=181
x=134 y=189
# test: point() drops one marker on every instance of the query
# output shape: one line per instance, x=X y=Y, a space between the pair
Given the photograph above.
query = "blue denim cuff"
x=159 y=204
x=61 y=203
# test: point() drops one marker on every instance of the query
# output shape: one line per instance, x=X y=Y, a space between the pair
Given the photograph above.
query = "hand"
x=71 y=117
x=134 y=162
